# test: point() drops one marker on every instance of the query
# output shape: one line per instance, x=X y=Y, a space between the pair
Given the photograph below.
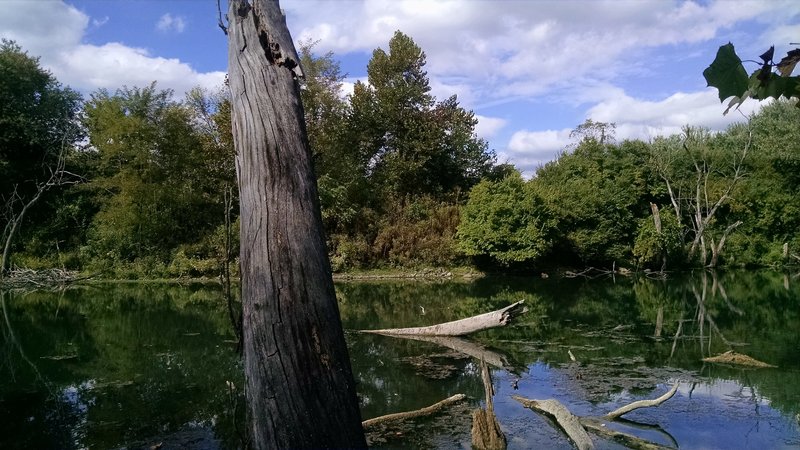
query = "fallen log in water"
x=576 y=427
x=568 y=422
x=426 y=411
x=461 y=327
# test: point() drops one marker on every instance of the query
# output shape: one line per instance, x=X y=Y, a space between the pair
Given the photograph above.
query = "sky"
x=530 y=70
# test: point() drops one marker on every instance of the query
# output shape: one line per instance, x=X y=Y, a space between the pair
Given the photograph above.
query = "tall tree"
x=38 y=127
x=155 y=180
x=410 y=144
x=299 y=383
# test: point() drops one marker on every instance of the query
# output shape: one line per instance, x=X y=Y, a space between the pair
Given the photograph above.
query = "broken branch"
x=426 y=411
x=641 y=404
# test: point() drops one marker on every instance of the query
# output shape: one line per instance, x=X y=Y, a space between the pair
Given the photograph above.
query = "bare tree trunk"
x=717 y=249
x=13 y=226
x=299 y=384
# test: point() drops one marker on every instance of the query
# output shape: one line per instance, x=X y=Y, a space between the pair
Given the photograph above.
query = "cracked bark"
x=299 y=384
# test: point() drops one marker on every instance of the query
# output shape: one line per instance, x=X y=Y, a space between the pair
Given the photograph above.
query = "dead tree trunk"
x=299 y=384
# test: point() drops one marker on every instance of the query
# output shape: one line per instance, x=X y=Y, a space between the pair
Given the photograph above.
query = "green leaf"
x=727 y=73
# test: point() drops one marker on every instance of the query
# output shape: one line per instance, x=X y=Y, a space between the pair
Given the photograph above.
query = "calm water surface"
x=134 y=365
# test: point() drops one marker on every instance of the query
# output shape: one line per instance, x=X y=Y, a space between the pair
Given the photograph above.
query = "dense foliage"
x=404 y=181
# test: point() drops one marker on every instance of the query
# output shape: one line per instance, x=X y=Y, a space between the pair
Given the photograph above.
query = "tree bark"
x=299 y=385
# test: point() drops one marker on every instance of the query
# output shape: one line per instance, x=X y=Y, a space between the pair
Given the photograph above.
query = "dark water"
x=135 y=365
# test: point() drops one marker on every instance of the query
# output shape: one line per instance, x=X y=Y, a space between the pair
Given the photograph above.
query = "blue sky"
x=531 y=70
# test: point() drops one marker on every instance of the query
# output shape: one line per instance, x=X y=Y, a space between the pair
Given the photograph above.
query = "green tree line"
x=148 y=180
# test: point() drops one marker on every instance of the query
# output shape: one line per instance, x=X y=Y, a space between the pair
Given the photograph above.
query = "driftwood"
x=619 y=412
x=486 y=432
x=426 y=411
x=462 y=327
x=568 y=422
x=576 y=427
x=731 y=357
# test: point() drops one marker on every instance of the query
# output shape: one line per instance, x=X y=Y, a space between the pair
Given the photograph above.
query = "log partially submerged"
x=461 y=327
x=575 y=427
x=568 y=422
x=426 y=411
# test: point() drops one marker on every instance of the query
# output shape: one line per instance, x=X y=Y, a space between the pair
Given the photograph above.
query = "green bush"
x=505 y=220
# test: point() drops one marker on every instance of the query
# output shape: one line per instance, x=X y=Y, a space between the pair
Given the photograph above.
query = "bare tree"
x=299 y=384
x=15 y=214
x=708 y=185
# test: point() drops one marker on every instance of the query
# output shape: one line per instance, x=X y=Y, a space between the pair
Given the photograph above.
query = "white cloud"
x=642 y=119
x=528 y=150
x=57 y=37
x=169 y=23
x=489 y=126
x=518 y=48
x=634 y=119
x=97 y=23
x=113 y=65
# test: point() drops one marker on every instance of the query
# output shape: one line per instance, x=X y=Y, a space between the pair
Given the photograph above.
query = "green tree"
x=159 y=185
x=597 y=194
x=410 y=144
x=507 y=221
x=38 y=128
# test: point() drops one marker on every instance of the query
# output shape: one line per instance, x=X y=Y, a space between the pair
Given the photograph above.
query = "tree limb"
x=568 y=422
x=641 y=404
x=426 y=411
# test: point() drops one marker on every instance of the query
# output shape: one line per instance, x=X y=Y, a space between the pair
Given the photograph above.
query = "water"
x=135 y=365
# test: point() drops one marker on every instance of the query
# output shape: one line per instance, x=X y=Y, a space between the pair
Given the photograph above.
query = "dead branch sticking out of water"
x=426 y=411
x=576 y=427
x=619 y=412
x=462 y=327
x=486 y=433
x=739 y=359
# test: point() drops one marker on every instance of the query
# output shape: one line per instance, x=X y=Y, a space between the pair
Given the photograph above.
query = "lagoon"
x=132 y=365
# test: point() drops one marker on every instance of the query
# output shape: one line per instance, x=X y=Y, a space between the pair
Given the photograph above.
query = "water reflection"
x=134 y=365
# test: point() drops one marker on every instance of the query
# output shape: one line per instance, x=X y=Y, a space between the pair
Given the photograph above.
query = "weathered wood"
x=299 y=385
x=486 y=432
x=575 y=427
x=565 y=419
x=641 y=404
x=426 y=411
x=462 y=327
